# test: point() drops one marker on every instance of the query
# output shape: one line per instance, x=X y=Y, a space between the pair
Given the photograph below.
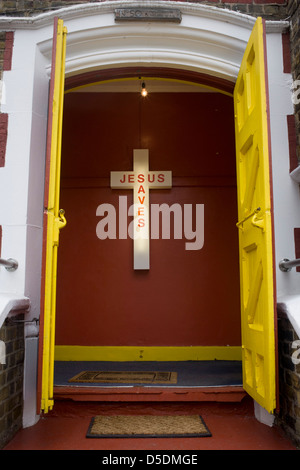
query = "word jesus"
x=150 y=178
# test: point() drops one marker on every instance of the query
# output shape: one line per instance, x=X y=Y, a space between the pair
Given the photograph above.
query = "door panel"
x=54 y=218
x=255 y=223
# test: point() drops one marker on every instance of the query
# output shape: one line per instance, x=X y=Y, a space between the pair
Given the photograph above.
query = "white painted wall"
x=285 y=188
x=22 y=189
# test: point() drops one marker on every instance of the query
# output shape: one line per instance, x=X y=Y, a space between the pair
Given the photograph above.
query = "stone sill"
x=11 y=303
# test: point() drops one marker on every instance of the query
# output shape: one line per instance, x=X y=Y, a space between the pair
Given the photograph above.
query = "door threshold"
x=155 y=394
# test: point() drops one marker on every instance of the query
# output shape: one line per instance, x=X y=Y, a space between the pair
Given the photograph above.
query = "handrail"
x=286 y=265
x=9 y=264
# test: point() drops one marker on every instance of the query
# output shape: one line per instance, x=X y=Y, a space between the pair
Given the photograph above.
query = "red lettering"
x=151 y=180
x=130 y=178
x=161 y=177
x=141 y=211
x=141 y=199
x=141 y=178
x=141 y=223
x=141 y=189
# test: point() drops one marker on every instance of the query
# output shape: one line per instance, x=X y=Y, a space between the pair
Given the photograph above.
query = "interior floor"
x=189 y=373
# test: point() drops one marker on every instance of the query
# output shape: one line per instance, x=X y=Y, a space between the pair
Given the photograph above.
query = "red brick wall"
x=266 y=8
x=11 y=379
x=294 y=16
x=6 y=50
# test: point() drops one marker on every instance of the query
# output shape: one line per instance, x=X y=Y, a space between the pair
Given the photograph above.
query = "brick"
x=286 y=47
x=295 y=382
x=297 y=412
x=26 y=7
x=289 y=380
x=242 y=8
x=286 y=334
x=273 y=2
x=297 y=426
x=293 y=160
x=4 y=393
x=7 y=57
x=234 y=1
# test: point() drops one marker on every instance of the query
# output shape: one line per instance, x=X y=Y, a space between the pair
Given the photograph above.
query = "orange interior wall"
x=187 y=298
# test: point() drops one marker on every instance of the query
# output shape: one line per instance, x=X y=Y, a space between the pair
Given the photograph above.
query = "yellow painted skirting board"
x=148 y=353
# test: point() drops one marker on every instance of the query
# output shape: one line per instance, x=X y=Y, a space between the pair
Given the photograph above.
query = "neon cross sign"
x=141 y=180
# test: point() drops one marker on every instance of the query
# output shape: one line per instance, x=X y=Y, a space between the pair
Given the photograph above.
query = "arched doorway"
x=244 y=107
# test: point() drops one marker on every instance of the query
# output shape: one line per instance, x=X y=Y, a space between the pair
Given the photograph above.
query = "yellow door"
x=255 y=223
x=54 y=218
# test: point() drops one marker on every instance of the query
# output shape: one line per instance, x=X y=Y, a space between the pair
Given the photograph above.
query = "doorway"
x=188 y=302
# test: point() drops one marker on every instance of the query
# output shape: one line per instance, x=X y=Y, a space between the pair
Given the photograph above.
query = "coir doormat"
x=147 y=426
x=125 y=377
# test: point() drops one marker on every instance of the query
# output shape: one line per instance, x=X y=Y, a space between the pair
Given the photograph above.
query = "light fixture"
x=144 y=91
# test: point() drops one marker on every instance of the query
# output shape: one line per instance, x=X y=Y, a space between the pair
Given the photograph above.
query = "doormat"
x=147 y=426
x=125 y=377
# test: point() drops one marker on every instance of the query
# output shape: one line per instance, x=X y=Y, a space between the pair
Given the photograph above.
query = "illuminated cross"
x=141 y=180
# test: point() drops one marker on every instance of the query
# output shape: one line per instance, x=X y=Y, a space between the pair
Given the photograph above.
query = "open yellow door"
x=54 y=219
x=255 y=223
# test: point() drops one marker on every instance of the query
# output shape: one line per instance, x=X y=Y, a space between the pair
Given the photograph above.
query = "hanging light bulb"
x=144 y=91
